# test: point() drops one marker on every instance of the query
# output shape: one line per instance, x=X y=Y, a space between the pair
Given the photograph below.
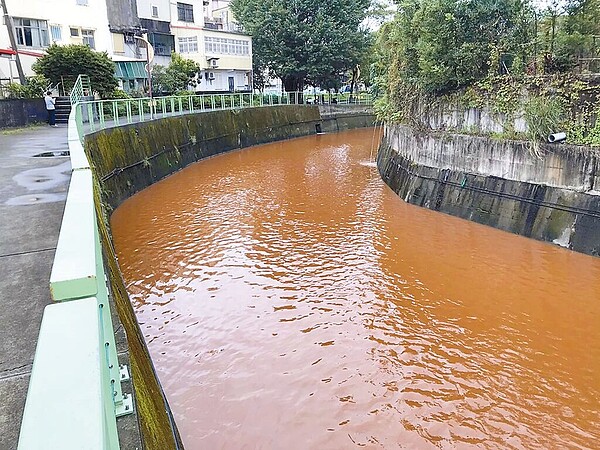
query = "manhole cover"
x=52 y=154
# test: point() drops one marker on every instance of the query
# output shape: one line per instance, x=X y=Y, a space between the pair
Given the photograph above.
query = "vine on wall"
x=546 y=104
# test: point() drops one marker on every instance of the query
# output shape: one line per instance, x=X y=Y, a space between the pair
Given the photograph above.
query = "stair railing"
x=81 y=88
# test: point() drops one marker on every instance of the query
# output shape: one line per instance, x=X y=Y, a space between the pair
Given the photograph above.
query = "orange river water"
x=291 y=300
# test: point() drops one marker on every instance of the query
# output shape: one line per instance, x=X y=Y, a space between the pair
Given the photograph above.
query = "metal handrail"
x=81 y=89
x=96 y=115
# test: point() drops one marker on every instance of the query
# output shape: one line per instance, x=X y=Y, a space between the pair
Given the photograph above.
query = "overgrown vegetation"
x=502 y=55
x=35 y=88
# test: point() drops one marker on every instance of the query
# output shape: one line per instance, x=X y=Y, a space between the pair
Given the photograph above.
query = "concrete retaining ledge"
x=20 y=112
x=497 y=183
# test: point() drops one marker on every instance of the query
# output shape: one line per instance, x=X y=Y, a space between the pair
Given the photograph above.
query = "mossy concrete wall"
x=498 y=183
x=127 y=159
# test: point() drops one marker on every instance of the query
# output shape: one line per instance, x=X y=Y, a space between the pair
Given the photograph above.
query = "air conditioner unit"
x=214 y=63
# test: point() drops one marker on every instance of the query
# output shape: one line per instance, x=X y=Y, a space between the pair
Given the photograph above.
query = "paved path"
x=32 y=199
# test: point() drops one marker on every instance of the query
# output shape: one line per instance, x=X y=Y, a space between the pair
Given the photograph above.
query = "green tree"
x=576 y=27
x=260 y=72
x=305 y=41
x=65 y=62
x=445 y=44
x=177 y=76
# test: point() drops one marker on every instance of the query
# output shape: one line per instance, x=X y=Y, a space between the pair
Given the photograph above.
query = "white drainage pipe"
x=557 y=137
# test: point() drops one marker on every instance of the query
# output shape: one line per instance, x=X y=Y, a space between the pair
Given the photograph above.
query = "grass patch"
x=23 y=129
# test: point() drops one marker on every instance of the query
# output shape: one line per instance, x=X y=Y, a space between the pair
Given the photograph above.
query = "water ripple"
x=291 y=300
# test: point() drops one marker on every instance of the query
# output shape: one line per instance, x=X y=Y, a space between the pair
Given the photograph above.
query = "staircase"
x=63 y=109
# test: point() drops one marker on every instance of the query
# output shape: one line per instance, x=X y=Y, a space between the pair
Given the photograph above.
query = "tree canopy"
x=65 y=62
x=445 y=44
x=436 y=46
x=305 y=41
x=177 y=76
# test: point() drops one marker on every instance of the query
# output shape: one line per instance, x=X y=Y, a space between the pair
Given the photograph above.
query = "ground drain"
x=52 y=154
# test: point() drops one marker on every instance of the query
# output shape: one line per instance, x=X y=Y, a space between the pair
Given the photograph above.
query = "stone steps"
x=63 y=109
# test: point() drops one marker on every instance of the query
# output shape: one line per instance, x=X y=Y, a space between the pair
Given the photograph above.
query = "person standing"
x=50 y=108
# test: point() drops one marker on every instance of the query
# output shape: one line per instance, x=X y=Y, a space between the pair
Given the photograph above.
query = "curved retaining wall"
x=498 y=183
x=126 y=159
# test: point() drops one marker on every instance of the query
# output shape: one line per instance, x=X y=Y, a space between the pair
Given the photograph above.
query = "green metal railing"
x=82 y=88
x=75 y=397
x=99 y=114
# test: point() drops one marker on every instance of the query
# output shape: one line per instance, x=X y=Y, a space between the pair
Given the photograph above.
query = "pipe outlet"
x=557 y=137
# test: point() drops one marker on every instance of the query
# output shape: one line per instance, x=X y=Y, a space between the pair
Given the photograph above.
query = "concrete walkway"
x=33 y=191
x=32 y=199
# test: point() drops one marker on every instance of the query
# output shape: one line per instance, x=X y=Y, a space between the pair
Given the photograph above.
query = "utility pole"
x=13 y=42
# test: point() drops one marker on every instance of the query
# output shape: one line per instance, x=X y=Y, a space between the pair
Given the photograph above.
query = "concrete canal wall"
x=127 y=159
x=500 y=183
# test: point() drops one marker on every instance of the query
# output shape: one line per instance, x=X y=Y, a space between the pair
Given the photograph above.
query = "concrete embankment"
x=500 y=183
x=128 y=158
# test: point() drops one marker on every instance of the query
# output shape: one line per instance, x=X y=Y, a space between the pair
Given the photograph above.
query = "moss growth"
x=157 y=429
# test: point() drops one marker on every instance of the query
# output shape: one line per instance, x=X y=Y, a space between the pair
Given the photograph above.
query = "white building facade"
x=38 y=24
x=223 y=53
x=201 y=30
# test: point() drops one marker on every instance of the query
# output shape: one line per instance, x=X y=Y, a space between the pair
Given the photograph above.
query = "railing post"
x=141 y=109
x=115 y=112
x=128 y=106
x=91 y=118
x=102 y=121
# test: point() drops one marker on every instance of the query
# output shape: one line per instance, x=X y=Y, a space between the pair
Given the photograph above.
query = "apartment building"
x=206 y=33
x=202 y=30
x=155 y=18
x=38 y=23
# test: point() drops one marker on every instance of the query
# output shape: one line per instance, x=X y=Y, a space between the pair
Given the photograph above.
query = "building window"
x=155 y=11
x=56 y=32
x=81 y=2
x=224 y=46
x=188 y=45
x=31 y=32
x=185 y=12
x=74 y=32
x=88 y=38
x=118 y=42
